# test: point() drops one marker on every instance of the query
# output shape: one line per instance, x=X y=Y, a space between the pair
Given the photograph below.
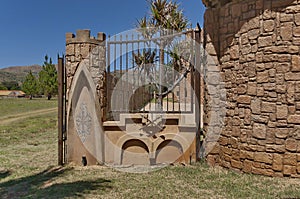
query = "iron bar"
x=60 y=109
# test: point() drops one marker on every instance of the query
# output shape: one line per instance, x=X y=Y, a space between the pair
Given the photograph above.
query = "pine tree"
x=2 y=87
x=48 y=79
x=29 y=86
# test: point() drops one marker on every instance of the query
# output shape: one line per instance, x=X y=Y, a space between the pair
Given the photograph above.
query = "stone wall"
x=255 y=44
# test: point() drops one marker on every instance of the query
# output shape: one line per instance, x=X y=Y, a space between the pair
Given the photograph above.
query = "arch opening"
x=169 y=151
x=135 y=152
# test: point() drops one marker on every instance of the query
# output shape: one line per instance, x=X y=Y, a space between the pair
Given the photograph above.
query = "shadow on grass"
x=42 y=185
x=4 y=174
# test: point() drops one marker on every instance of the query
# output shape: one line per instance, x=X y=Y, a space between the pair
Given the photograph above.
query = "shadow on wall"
x=223 y=23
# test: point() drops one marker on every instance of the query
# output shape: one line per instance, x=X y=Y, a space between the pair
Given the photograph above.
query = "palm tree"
x=165 y=18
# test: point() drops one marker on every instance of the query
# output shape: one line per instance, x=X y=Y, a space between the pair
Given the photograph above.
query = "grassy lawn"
x=28 y=158
x=14 y=106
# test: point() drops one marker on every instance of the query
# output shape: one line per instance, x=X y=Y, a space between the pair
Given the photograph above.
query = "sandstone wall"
x=255 y=44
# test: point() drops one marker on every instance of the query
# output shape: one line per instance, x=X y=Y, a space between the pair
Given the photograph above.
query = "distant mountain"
x=18 y=73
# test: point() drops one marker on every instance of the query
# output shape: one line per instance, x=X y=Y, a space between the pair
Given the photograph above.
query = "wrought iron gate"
x=153 y=71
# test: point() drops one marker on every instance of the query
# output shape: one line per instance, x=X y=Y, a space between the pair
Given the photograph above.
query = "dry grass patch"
x=28 y=158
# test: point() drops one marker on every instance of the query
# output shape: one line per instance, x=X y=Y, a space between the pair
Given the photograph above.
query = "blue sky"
x=32 y=28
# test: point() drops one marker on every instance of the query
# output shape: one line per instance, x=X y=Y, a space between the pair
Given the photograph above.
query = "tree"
x=11 y=85
x=2 y=87
x=165 y=18
x=165 y=15
x=48 y=79
x=30 y=85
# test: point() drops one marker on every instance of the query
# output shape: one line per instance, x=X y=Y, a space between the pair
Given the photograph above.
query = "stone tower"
x=255 y=44
x=86 y=96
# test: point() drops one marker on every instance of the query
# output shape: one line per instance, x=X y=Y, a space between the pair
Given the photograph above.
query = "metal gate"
x=62 y=111
x=151 y=70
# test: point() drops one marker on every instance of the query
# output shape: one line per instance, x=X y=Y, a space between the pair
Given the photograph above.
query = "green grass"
x=13 y=106
x=28 y=158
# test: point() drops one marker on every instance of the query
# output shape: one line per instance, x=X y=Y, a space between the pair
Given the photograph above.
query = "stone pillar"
x=256 y=46
x=84 y=48
x=86 y=96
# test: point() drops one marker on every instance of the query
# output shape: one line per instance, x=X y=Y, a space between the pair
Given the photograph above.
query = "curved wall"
x=256 y=44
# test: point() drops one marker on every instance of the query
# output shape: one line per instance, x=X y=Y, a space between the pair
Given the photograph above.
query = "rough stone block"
x=286 y=31
x=210 y=159
x=293 y=49
x=256 y=106
x=296 y=31
x=273 y=148
x=282 y=111
x=262 y=77
x=281 y=89
x=247 y=155
x=265 y=41
x=247 y=118
x=281 y=133
x=234 y=52
x=262 y=171
x=236 y=131
x=294 y=119
x=268 y=107
x=101 y=36
x=252 y=89
x=296 y=63
x=277 y=162
x=226 y=150
x=291 y=145
x=247 y=165
x=70 y=50
x=244 y=99
x=83 y=35
x=284 y=58
x=269 y=86
x=286 y=17
x=242 y=89
x=85 y=50
x=292 y=76
x=289 y=170
x=298 y=105
x=260 y=92
x=290 y=159
x=263 y=157
x=236 y=164
x=259 y=131
x=253 y=34
x=292 y=109
x=269 y=25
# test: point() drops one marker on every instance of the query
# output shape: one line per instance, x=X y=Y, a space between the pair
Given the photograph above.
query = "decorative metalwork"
x=83 y=122
x=144 y=73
